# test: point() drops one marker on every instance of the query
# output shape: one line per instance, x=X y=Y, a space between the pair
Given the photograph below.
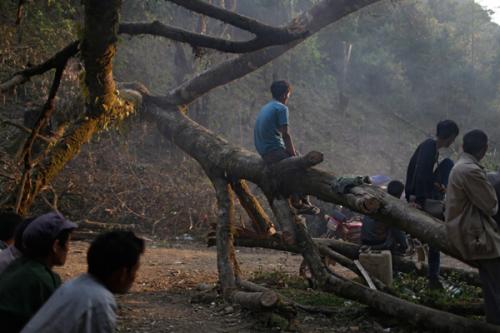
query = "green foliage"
x=296 y=288
x=456 y=292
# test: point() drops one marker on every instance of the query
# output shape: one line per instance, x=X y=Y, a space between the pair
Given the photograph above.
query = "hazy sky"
x=493 y=5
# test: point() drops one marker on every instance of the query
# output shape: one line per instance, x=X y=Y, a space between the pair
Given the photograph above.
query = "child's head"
x=114 y=259
x=395 y=188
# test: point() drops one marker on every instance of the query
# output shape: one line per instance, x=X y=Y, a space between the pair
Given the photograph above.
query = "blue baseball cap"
x=46 y=227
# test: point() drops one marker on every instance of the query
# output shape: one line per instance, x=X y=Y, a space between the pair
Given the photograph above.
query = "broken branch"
x=56 y=61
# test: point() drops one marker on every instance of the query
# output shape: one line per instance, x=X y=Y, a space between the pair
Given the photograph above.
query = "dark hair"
x=280 y=88
x=446 y=129
x=395 y=188
x=113 y=250
x=475 y=141
x=8 y=224
x=18 y=241
x=42 y=246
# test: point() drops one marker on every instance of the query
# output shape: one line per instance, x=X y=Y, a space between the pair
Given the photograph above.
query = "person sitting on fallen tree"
x=273 y=140
x=86 y=303
x=378 y=235
x=471 y=203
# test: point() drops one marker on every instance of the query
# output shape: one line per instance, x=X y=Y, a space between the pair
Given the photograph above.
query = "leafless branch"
x=54 y=62
x=42 y=121
x=237 y=20
x=198 y=40
x=25 y=129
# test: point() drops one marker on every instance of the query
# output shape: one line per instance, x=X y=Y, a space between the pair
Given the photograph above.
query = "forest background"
x=366 y=91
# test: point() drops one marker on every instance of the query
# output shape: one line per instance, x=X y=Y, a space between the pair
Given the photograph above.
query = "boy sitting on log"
x=273 y=140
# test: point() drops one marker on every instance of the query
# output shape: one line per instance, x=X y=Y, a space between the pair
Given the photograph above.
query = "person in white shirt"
x=8 y=224
x=15 y=250
x=86 y=304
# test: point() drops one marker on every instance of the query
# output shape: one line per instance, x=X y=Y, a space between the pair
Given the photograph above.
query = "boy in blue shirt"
x=272 y=138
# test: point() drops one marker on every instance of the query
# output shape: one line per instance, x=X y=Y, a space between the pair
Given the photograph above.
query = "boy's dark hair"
x=280 y=88
x=8 y=224
x=395 y=188
x=475 y=141
x=446 y=129
x=113 y=250
x=41 y=247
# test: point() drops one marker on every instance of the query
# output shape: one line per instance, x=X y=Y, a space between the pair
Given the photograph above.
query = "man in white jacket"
x=471 y=203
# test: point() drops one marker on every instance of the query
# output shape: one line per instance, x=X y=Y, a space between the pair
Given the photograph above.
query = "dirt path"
x=168 y=277
x=170 y=274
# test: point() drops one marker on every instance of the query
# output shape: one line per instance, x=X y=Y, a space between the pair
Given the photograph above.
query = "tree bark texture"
x=261 y=221
x=103 y=106
x=226 y=259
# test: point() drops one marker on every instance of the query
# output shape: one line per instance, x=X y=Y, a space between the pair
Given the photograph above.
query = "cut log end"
x=371 y=204
x=314 y=157
x=269 y=299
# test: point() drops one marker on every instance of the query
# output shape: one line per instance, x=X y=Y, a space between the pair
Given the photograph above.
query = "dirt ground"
x=172 y=272
x=169 y=276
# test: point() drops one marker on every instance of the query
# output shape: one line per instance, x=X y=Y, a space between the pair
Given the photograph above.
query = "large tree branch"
x=198 y=40
x=98 y=48
x=42 y=121
x=226 y=260
x=237 y=20
x=211 y=150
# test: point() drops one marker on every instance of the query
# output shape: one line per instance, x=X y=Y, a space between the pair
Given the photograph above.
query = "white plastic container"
x=378 y=265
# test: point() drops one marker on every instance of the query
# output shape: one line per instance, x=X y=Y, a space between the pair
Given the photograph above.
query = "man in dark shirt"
x=421 y=181
x=380 y=236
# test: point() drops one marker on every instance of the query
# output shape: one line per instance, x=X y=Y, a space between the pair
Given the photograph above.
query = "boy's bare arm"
x=288 y=140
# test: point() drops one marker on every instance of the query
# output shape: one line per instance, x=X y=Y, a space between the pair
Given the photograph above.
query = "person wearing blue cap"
x=29 y=281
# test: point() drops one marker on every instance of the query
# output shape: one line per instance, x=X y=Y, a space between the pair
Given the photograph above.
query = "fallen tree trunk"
x=400 y=264
x=242 y=164
x=257 y=301
x=418 y=315
x=296 y=163
x=351 y=251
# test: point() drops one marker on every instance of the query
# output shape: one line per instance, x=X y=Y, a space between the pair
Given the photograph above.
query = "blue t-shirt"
x=267 y=138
